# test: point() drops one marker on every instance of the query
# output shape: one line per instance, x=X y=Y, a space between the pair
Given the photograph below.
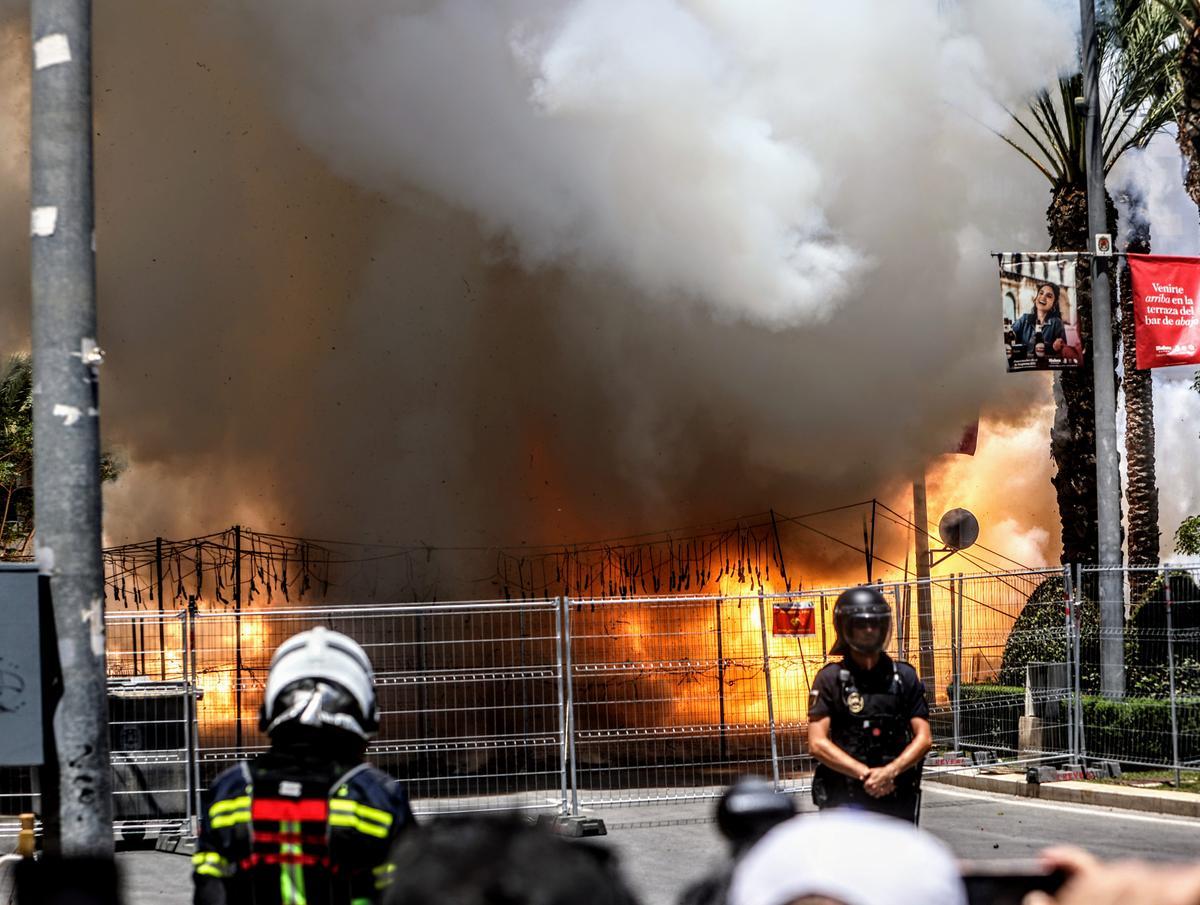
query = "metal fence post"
x=189 y=704
x=956 y=614
x=899 y=621
x=237 y=634
x=1068 y=648
x=570 y=711
x=563 y=724
x=1171 y=676
x=1077 y=624
x=762 y=621
x=194 y=718
x=162 y=615
x=824 y=646
x=724 y=747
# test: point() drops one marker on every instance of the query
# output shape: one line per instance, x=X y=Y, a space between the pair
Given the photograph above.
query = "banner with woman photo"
x=1041 y=314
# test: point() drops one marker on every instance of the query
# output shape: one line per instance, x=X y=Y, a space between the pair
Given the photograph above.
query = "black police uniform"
x=297 y=827
x=870 y=714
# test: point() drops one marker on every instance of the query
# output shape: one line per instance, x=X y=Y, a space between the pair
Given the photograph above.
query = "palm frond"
x=1139 y=58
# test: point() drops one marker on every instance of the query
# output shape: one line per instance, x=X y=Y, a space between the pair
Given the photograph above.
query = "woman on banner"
x=1039 y=331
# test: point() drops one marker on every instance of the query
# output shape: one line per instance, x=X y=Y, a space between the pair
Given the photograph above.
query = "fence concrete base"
x=1178 y=804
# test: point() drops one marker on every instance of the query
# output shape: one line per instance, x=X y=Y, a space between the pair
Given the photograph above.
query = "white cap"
x=322 y=654
x=855 y=857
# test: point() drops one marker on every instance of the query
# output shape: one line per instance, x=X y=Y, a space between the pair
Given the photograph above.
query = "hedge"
x=1132 y=730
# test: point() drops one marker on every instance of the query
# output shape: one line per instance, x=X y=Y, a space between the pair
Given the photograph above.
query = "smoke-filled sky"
x=488 y=271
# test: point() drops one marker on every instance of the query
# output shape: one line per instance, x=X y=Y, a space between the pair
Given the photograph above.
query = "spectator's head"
x=847 y=857
x=748 y=809
x=501 y=860
x=320 y=683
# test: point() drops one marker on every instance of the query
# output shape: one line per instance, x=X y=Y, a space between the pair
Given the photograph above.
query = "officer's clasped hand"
x=880 y=781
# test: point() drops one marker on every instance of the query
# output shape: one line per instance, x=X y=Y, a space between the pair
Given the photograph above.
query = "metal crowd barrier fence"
x=561 y=704
x=1155 y=723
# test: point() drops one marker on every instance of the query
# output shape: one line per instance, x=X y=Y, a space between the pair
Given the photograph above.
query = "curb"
x=1175 y=804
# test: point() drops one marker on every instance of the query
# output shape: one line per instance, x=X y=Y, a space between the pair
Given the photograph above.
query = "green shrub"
x=988 y=718
x=1146 y=639
x=1039 y=635
x=1139 y=729
x=1133 y=730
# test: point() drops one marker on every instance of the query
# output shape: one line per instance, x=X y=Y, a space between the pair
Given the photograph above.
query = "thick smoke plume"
x=488 y=272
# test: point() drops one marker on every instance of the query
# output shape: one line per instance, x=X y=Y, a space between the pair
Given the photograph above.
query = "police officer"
x=308 y=822
x=868 y=720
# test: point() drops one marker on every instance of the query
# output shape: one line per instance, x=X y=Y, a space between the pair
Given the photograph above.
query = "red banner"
x=1165 y=290
x=793 y=621
x=970 y=440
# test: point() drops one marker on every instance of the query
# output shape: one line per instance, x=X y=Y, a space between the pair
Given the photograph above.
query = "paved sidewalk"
x=665 y=847
x=1156 y=801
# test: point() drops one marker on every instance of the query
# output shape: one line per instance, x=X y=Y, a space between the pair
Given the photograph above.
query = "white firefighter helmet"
x=320 y=678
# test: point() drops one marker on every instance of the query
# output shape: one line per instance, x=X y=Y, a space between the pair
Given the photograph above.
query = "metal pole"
x=1076 y=631
x=824 y=645
x=237 y=631
x=899 y=622
x=924 y=594
x=193 y=612
x=721 y=684
x=871 y=548
x=1171 y=677
x=762 y=623
x=133 y=642
x=189 y=705
x=566 y=611
x=66 y=411
x=1068 y=592
x=162 y=617
x=563 y=725
x=1108 y=478
x=957 y=618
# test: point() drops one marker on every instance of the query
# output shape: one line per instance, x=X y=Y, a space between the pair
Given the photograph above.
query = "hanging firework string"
x=743 y=556
x=272 y=568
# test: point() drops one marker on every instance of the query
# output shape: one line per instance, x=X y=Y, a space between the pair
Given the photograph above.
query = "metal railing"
x=561 y=704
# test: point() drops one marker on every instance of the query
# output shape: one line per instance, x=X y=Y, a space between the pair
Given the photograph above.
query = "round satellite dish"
x=958 y=529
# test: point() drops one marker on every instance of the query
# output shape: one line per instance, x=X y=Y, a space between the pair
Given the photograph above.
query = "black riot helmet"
x=862 y=620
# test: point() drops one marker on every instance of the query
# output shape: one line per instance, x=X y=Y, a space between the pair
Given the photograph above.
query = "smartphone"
x=1007 y=882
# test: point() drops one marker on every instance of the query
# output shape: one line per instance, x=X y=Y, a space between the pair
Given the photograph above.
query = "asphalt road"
x=663 y=848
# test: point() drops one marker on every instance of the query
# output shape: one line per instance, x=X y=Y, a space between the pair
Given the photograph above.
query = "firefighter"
x=868 y=720
x=308 y=822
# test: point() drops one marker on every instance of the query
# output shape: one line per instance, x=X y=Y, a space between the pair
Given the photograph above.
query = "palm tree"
x=1138 y=65
x=1186 y=15
x=16 y=456
x=1187 y=19
x=1141 y=491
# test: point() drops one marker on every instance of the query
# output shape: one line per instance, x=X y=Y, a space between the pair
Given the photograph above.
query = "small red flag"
x=970 y=440
x=796 y=620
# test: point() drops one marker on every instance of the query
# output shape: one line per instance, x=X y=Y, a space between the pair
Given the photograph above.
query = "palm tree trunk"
x=1141 y=491
x=1189 y=116
x=1073 y=437
x=4 y=523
